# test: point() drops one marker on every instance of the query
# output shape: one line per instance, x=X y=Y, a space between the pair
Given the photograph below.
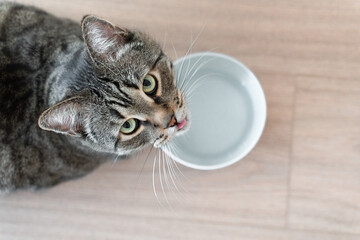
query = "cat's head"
x=133 y=101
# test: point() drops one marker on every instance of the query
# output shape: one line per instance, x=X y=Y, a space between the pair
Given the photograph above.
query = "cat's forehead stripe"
x=158 y=59
x=116 y=114
x=131 y=85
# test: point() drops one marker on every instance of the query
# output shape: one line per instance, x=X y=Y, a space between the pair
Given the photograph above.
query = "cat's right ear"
x=105 y=41
x=67 y=117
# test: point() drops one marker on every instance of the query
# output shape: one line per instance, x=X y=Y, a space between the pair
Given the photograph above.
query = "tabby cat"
x=72 y=96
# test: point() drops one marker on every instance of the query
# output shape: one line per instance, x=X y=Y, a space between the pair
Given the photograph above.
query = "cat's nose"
x=172 y=121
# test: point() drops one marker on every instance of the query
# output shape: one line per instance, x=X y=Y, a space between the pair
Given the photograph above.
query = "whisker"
x=172 y=171
x=195 y=72
x=137 y=155
x=175 y=149
x=196 y=84
x=188 y=65
x=184 y=82
x=153 y=181
x=178 y=74
x=161 y=184
x=178 y=178
x=176 y=56
x=201 y=66
x=175 y=174
x=190 y=48
x=115 y=160
x=142 y=169
x=164 y=43
x=172 y=44
x=168 y=183
x=200 y=58
x=178 y=77
x=164 y=171
x=167 y=158
x=189 y=93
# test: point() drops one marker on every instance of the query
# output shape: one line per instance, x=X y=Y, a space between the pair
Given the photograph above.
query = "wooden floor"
x=302 y=180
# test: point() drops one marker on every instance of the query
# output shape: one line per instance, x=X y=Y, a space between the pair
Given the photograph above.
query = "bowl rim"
x=257 y=137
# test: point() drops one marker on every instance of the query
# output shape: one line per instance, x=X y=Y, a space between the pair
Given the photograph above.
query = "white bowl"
x=227 y=111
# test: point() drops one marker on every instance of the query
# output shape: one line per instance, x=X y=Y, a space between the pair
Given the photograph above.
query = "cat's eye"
x=130 y=126
x=149 y=84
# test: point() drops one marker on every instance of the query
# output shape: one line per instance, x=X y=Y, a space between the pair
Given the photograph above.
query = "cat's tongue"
x=181 y=124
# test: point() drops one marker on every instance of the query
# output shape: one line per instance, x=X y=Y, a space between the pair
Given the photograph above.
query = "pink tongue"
x=181 y=124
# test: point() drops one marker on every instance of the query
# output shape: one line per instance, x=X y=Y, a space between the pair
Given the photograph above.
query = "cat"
x=74 y=95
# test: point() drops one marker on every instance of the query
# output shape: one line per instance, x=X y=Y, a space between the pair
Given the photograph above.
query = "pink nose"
x=181 y=124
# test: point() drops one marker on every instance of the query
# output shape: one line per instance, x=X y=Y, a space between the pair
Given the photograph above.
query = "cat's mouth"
x=171 y=132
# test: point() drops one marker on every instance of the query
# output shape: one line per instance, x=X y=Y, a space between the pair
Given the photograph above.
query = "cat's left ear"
x=105 y=41
x=68 y=117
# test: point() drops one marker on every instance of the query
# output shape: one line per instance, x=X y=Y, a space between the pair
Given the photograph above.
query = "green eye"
x=129 y=126
x=149 y=85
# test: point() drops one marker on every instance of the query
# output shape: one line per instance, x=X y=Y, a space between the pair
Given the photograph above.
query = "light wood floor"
x=302 y=181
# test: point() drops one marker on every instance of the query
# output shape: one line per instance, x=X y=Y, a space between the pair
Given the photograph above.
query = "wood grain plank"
x=325 y=184
x=114 y=228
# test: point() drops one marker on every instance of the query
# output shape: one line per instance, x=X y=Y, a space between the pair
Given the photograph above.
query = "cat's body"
x=44 y=60
x=33 y=53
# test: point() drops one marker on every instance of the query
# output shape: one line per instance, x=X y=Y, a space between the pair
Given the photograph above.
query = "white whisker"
x=189 y=93
x=164 y=171
x=196 y=84
x=186 y=86
x=172 y=44
x=115 y=160
x=172 y=178
x=200 y=58
x=164 y=43
x=153 y=181
x=175 y=177
x=175 y=149
x=178 y=179
x=188 y=65
x=143 y=166
x=188 y=51
x=173 y=170
x=161 y=184
x=178 y=74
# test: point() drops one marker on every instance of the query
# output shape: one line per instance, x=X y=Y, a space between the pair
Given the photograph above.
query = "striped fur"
x=65 y=91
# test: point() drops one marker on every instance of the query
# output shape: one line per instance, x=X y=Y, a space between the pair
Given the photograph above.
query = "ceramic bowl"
x=227 y=110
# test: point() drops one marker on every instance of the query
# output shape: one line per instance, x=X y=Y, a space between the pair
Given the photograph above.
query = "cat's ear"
x=67 y=117
x=104 y=40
